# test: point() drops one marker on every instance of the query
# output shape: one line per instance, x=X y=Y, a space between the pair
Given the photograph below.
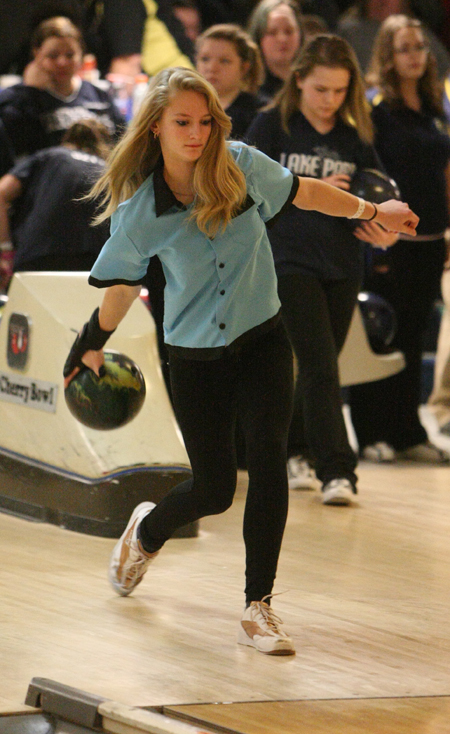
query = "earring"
x=155 y=133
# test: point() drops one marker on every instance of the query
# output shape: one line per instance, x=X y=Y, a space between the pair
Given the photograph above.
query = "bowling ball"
x=373 y=185
x=110 y=401
x=380 y=321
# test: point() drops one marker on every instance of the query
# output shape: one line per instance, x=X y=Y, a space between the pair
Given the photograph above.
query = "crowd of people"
x=257 y=117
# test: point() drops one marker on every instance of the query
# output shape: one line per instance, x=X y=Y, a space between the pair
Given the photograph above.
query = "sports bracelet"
x=375 y=212
x=92 y=336
x=360 y=209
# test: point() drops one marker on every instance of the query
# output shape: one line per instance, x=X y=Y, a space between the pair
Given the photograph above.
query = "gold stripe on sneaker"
x=252 y=629
x=124 y=551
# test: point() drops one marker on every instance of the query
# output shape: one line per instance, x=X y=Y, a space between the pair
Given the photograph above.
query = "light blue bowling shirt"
x=218 y=290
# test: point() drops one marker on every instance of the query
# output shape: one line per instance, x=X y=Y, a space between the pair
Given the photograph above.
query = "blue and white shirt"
x=218 y=290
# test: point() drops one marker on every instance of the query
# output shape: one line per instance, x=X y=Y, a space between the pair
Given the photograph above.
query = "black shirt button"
x=221 y=326
x=222 y=293
x=221 y=265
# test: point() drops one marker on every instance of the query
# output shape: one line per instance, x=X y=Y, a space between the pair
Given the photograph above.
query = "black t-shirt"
x=304 y=240
x=268 y=89
x=47 y=218
x=242 y=111
x=36 y=119
x=415 y=150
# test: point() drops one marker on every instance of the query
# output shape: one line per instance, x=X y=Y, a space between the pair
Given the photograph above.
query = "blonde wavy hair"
x=332 y=52
x=219 y=184
x=382 y=73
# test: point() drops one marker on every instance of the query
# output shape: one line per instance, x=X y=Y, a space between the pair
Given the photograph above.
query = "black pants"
x=257 y=382
x=387 y=410
x=317 y=315
x=155 y=282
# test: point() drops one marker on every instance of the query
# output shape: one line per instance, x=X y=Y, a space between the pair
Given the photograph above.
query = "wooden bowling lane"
x=367 y=604
x=423 y=715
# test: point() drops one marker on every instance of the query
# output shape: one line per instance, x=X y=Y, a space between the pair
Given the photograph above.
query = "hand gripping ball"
x=110 y=401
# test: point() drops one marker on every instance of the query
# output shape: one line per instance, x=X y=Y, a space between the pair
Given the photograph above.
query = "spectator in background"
x=37 y=112
x=112 y=35
x=229 y=59
x=276 y=27
x=42 y=212
x=188 y=14
x=414 y=148
x=313 y=25
x=360 y=25
x=319 y=125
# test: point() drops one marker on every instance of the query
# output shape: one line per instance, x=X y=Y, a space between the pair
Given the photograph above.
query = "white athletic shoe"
x=380 y=452
x=129 y=561
x=338 y=492
x=300 y=474
x=260 y=628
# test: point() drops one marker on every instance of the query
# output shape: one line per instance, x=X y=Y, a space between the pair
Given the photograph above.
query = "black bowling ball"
x=380 y=321
x=373 y=185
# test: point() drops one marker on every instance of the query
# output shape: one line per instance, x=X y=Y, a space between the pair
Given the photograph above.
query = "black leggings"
x=317 y=315
x=256 y=382
x=387 y=410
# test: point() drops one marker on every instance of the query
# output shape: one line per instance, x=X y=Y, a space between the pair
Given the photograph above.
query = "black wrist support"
x=92 y=336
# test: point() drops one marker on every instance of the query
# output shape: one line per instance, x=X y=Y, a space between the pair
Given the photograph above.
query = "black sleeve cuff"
x=287 y=203
x=116 y=281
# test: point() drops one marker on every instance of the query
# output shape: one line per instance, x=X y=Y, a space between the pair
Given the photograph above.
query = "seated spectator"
x=42 y=212
x=37 y=112
x=230 y=60
x=276 y=27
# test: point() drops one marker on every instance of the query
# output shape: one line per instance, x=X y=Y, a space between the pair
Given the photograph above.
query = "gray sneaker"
x=129 y=561
x=425 y=453
x=380 y=452
x=338 y=492
x=300 y=474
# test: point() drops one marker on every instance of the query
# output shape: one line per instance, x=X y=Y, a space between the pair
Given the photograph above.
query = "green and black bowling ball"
x=110 y=401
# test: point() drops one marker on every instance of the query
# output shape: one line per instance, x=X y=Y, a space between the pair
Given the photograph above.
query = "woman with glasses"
x=414 y=147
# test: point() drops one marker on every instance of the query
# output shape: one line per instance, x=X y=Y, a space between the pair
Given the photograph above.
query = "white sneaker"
x=338 y=492
x=300 y=474
x=260 y=628
x=425 y=453
x=129 y=561
x=379 y=452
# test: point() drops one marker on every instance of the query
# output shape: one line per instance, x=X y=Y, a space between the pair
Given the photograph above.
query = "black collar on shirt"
x=165 y=199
